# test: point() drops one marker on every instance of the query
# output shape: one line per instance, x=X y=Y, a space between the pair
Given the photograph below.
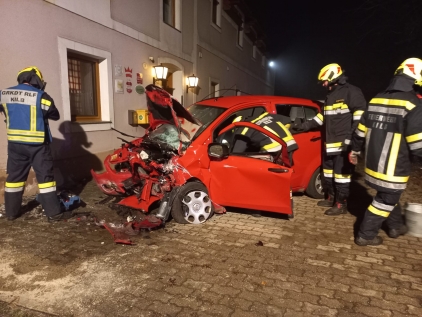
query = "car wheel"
x=315 y=189
x=192 y=205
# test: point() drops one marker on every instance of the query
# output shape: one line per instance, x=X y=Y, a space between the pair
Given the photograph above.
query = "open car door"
x=246 y=181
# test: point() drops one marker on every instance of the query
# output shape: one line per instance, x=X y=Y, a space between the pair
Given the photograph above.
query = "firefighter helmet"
x=330 y=73
x=33 y=76
x=411 y=67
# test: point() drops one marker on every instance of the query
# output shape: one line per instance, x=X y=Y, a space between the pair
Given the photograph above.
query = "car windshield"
x=205 y=115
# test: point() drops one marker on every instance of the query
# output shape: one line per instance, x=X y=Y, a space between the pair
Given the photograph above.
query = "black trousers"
x=20 y=159
x=338 y=173
x=384 y=207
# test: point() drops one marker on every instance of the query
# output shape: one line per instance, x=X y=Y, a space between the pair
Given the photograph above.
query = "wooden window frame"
x=97 y=96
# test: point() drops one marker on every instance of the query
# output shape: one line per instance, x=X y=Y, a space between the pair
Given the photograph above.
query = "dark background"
x=368 y=38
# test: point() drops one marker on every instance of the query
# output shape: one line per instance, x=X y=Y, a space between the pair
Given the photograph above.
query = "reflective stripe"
x=337 y=144
x=260 y=117
x=379 y=205
x=394 y=153
x=378 y=212
x=319 y=119
x=33 y=126
x=290 y=143
x=271 y=130
x=334 y=112
x=272 y=146
x=25 y=139
x=346 y=141
x=328 y=175
x=25 y=132
x=44 y=107
x=357 y=115
x=384 y=152
x=414 y=137
x=340 y=178
x=47 y=190
x=390 y=178
x=328 y=171
x=46 y=185
x=384 y=184
x=387 y=110
x=15 y=185
x=48 y=103
x=360 y=133
x=393 y=102
x=288 y=136
x=13 y=190
x=362 y=128
x=336 y=106
x=244 y=131
x=415 y=146
x=334 y=150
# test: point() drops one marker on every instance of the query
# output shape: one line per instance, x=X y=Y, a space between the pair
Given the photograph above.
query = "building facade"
x=97 y=55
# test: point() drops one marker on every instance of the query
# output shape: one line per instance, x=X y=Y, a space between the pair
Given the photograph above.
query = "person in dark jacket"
x=343 y=108
x=391 y=128
x=27 y=109
x=253 y=140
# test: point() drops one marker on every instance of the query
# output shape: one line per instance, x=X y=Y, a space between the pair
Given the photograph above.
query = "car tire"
x=315 y=189
x=192 y=205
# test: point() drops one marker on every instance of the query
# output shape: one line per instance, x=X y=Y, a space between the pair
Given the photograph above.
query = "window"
x=169 y=12
x=216 y=12
x=84 y=90
x=86 y=86
x=240 y=35
x=294 y=112
x=214 y=89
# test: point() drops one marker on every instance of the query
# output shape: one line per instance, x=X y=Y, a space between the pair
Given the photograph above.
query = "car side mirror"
x=218 y=150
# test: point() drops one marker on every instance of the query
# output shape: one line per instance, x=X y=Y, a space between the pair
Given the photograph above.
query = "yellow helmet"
x=330 y=72
x=33 y=76
x=411 y=67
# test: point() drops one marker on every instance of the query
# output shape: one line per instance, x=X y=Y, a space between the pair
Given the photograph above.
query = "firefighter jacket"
x=261 y=142
x=27 y=112
x=391 y=129
x=343 y=109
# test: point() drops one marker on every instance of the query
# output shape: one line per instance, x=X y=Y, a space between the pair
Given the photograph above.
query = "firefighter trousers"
x=337 y=175
x=384 y=207
x=20 y=159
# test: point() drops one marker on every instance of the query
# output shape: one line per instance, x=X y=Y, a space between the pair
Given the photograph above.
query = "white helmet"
x=411 y=67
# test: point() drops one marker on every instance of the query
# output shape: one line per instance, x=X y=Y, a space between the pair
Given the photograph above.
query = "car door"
x=249 y=182
x=308 y=157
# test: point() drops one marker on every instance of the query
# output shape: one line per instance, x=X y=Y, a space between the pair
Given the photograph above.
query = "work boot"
x=337 y=209
x=60 y=217
x=395 y=233
x=329 y=202
x=363 y=242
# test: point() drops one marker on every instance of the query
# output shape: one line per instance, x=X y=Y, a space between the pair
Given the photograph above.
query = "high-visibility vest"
x=23 y=105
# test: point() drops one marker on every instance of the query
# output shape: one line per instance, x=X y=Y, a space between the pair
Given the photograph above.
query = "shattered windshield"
x=166 y=136
x=205 y=115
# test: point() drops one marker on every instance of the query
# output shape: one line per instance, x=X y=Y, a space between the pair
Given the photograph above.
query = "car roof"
x=232 y=101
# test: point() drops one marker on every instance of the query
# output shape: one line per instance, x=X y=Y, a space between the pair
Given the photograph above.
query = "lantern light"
x=191 y=82
x=160 y=72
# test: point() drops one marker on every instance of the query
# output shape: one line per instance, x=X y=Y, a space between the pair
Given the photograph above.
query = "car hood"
x=170 y=123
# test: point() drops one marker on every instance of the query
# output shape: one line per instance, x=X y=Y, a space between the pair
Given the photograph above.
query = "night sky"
x=368 y=38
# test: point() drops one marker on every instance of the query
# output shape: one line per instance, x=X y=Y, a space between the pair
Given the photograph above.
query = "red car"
x=181 y=165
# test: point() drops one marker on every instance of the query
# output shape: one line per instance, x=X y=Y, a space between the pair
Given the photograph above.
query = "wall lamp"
x=160 y=73
x=191 y=82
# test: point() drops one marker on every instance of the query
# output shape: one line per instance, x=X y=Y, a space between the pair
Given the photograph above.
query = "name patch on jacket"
x=18 y=96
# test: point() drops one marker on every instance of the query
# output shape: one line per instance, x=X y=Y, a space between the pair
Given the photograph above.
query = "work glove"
x=353 y=157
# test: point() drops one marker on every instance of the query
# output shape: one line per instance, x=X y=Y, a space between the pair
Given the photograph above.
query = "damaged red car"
x=184 y=165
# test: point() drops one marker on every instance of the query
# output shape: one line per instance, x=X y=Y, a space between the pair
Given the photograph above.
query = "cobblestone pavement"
x=235 y=265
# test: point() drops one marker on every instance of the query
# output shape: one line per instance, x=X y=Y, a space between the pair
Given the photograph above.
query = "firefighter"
x=255 y=141
x=391 y=130
x=343 y=108
x=27 y=109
